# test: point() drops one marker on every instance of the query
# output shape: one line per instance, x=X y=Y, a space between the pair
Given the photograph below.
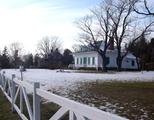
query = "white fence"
x=13 y=88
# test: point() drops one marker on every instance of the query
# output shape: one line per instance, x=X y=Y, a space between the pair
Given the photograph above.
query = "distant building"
x=87 y=57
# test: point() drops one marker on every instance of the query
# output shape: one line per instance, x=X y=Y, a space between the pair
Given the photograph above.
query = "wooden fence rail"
x=12 y=88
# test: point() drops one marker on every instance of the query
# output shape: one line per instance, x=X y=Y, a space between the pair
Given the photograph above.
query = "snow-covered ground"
x=52 y=78
x=62 y=83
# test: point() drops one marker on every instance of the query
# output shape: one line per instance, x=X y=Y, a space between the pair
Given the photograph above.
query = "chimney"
x=111 y=43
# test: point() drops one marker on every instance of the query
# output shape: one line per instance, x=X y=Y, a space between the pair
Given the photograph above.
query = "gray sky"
x=27 y=21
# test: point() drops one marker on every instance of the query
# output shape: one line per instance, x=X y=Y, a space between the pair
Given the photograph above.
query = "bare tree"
x=48 y=44
x=15 y=50
x=15 y=46
x=112 y=20
x=146 y=30
x=76 y=48
x=97 y=28
x=102 y=14
x=124 y=19
x=144 y=8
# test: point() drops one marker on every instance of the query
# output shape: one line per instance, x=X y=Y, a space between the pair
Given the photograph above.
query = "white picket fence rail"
x=77 y=111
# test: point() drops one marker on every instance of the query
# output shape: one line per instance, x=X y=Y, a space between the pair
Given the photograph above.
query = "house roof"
x=100 y=44
x=89 y=47
x=87 y=52
x=130 y=56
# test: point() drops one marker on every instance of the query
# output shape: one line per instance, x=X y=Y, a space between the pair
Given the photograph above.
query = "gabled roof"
x=89 y=47
x=130 y=56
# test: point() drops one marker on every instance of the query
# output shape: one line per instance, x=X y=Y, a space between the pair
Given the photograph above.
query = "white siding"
x=100 y=61
x=126 y=63
x=112 y=59
x=87 y=55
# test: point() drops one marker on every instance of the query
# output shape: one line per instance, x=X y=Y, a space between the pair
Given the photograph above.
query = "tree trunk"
x=104 y=63
x=103 y=56
x=119 y=63
x=119 y=60
x=138 y=64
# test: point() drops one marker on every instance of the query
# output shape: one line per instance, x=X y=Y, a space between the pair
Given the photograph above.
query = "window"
x=93 y=60
x=84 y=60
x=80 y=61
x=133 y=63
x=77 y=61
x=107 y=61
x=88 y=60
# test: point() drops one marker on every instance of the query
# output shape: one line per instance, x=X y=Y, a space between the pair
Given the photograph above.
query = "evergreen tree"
x=16 y=59
x=4 y=59
x=144 y=51
x=55 y=59
x=36 y=61
x=67 y=57
x=151 y=50
x=28 y=62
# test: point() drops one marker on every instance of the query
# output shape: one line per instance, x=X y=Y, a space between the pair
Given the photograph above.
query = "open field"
x=133 y=100
x=128 y=94
x=49 y=79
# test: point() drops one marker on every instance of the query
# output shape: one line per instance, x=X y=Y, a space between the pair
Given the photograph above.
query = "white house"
x=89 y=58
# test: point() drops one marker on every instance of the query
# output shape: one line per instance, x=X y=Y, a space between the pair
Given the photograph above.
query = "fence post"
x=21 y=93
x=21 y=100
x=36 y=102
x=13 y=93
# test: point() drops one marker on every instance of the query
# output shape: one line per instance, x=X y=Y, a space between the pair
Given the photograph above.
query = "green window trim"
x=88 y=60
x=80 y=61
x=107 y=60
x=84 y=60
x=77 y=61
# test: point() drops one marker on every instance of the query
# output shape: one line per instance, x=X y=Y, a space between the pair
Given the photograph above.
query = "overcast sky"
x=27 y=21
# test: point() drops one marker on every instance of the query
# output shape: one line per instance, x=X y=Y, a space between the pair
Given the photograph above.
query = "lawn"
x=133 y=100
x=128 y=94
x=47 y=110
x=5 y=109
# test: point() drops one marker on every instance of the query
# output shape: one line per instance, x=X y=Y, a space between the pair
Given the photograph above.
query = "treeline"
x=10 y=61
x=53 y=60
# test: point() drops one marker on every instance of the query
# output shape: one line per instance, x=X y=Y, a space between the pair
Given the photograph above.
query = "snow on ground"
x=52 y=78
x=62 y=82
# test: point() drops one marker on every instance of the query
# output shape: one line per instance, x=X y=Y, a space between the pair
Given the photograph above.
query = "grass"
x=5 y=109
x=47 y=110
x=133 y=100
